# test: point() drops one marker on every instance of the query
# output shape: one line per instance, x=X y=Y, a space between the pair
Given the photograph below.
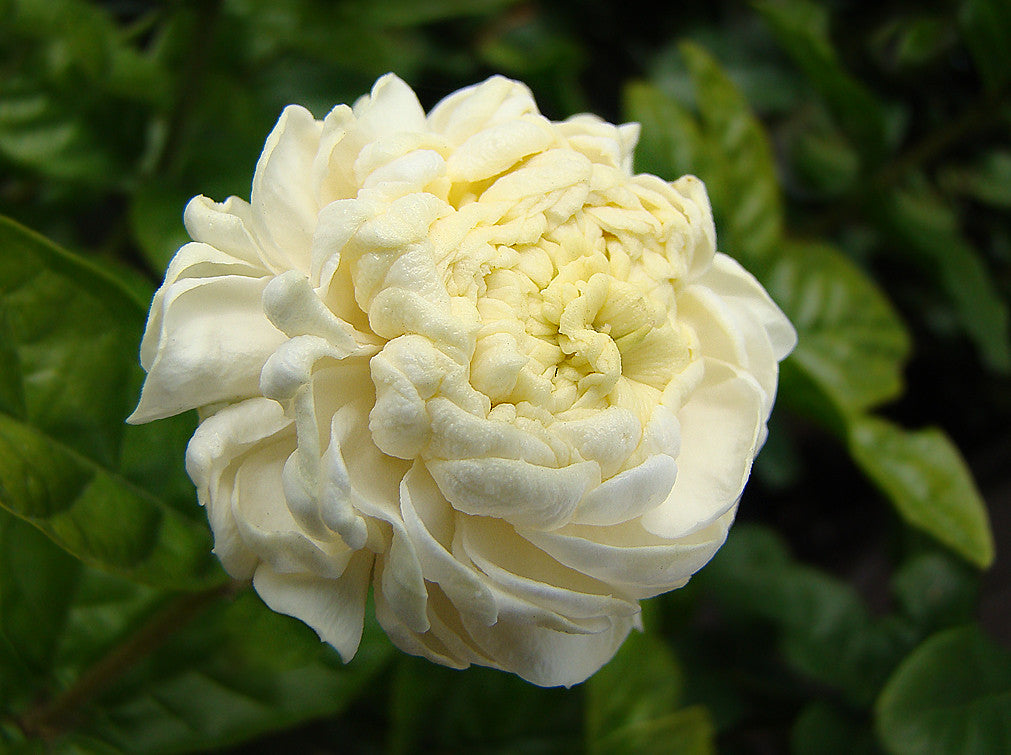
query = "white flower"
x=473 y=360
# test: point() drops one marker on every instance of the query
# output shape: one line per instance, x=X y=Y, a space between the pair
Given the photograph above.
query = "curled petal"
x=629 y=494
x=516 y=491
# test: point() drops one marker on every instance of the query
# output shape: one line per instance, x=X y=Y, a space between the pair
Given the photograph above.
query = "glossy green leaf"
x=802 y=28
x=231 y=674
x=926 y=479
x=986 y=28
x=37 y=584
x=930 y=232
x=73 y=334
x=851 y=341
x=951 y=695
x=641 y=683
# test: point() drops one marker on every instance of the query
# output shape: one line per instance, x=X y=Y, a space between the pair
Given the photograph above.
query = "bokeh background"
x=858 y=157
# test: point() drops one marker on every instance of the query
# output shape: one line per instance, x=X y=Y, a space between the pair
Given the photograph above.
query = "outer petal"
x=721 y=427
x=225 y=226
x=284 y=196
x=213 y=456
x=471 y=109
x=638 y=563
x=629 y=494
x=213 y=338
x=335 y=608
x=517 y=491
x=736 y=321
x=547 y=657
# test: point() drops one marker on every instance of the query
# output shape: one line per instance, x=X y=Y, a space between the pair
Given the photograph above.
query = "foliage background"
x=859 y=162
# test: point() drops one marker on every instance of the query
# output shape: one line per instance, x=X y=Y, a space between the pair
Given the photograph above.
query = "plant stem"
x=49 y=720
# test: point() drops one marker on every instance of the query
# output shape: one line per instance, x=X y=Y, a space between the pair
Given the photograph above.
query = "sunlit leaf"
x=851 y=342
x=925 y=477
x=951 y=695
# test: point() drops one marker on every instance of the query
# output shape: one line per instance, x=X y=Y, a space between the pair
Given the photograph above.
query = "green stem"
x=49 y=720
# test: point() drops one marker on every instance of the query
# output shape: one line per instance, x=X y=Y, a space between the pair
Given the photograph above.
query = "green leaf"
x=826 y=631
x=232 y=674
x=724 y=145
x=670 y=137
x=988 y=180
x=633 y=704
x=156 y=220
x=851 y=343
x=73 y=333
x=641 y=683
x=410 y=13
x=435 y=709
x=986 y=28
x=936 y=591
x=821 y=157
x=37 y=583
x=688 y=731
x=951 y=695
x=926 y=479
x=737 y=162
x=930 y=231
x=801 y=27
x=824 y=729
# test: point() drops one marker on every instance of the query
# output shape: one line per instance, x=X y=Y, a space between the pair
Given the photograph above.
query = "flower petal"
x=213 y=339
x=721 y=427
x=517 y=491
x=335 y=608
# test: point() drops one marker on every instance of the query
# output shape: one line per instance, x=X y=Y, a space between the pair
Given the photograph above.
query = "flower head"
x=472 y=360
